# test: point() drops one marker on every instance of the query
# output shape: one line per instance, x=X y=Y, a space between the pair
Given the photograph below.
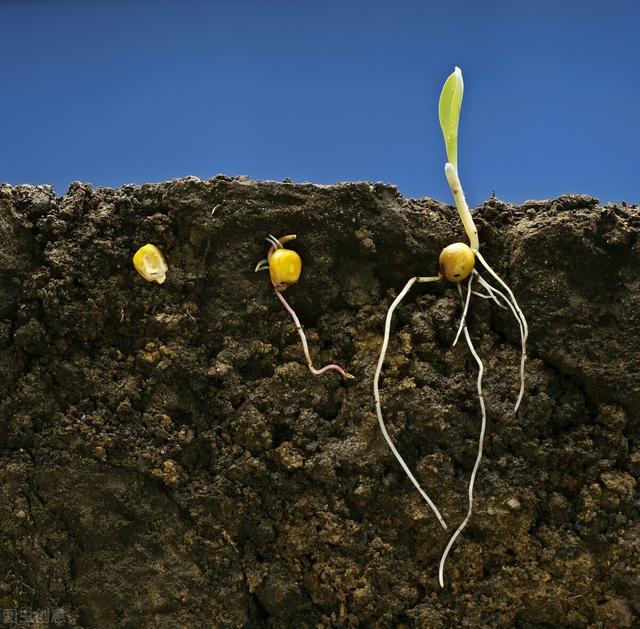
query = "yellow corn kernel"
x=285 y=267
x=150 y=263
x=457 y=262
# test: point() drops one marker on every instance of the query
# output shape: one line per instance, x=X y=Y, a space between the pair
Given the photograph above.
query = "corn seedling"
x=284 y=266
x=457 y=263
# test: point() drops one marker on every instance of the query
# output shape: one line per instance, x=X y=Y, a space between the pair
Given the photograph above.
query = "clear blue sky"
x=121 y=91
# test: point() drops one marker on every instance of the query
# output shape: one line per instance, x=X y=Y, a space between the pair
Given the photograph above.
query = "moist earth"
x=167 y=459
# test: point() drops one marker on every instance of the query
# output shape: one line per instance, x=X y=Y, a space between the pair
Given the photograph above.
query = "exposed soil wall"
x=166 y=459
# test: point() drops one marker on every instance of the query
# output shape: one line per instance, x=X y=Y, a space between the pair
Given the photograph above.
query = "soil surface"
x=167 y=460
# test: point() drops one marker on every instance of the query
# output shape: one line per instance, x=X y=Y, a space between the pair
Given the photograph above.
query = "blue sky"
x=121 y=91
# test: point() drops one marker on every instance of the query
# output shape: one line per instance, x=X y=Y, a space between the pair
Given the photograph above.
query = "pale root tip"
x=349 y=376
x=261 y=266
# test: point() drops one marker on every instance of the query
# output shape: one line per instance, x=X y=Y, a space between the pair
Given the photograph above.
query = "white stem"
x=451 y=173
x=519 y=315
x=464 y=312
x=376 y=392
x=472 y=480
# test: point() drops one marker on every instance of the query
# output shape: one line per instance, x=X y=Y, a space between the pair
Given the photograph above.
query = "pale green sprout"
x=449 y=113
x=452 y=259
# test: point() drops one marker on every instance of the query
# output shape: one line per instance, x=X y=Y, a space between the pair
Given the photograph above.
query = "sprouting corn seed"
x=285 y=266
x=457 y=262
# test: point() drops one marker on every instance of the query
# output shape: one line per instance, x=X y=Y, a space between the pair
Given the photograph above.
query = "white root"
x=490 y=295
x=494 y=293
x=497 y=296
x=376 y=392
x=518 y=314
x=463 y=319
x=472 y=480
x=271 y=239
x=305 y=346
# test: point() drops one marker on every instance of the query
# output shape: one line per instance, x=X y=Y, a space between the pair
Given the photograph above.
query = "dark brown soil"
x=166 y=459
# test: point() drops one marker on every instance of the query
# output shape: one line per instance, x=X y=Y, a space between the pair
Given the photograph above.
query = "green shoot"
x=449 y=111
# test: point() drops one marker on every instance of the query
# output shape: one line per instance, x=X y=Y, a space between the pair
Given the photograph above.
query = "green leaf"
x=449 y=110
